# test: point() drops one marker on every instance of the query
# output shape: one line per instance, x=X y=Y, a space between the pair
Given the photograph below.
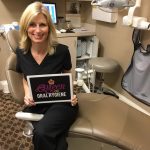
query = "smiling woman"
x=38 y=54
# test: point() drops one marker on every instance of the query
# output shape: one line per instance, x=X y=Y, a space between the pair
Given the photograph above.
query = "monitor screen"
x=52 y=10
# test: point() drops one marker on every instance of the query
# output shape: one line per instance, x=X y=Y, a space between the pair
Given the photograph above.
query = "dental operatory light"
x=107 y=10
x=113 y=3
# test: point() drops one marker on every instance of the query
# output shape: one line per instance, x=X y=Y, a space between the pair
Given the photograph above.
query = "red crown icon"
x=50 y=81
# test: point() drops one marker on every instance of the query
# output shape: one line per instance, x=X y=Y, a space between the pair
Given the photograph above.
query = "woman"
x=39 y=53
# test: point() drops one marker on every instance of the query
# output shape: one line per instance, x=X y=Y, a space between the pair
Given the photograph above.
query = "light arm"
x=127 y=20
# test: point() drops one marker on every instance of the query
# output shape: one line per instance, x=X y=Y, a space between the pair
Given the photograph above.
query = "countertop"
x=77 y=33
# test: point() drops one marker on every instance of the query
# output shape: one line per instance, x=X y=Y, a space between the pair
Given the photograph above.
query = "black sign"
x=50 y=88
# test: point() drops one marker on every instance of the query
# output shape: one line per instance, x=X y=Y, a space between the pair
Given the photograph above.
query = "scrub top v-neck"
x=34 y=61
x=51 y=64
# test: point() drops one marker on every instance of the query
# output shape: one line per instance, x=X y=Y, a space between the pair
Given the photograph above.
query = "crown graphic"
x=50 y=81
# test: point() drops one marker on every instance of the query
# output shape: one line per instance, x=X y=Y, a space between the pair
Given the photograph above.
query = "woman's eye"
x=32 y=25
x=43 y=25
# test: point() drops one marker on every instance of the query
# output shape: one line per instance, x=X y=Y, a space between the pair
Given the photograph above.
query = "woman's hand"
x=74 y=100
x=29 y=101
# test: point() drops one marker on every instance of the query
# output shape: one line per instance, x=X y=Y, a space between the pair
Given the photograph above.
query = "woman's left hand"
x=74 y=100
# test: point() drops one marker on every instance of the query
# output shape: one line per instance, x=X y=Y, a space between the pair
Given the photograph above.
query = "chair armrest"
x=14 y=79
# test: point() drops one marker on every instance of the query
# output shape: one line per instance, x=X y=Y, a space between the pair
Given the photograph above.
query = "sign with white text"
x=51 y=88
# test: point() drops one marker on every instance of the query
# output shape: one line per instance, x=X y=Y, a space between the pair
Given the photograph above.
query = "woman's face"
x=38 y=29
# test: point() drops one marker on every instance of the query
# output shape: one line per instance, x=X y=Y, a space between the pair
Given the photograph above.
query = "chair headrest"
x=13 y=39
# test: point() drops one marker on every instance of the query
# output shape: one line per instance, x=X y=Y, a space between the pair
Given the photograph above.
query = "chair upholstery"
x=14 y=79
x=13 y=39
x=101 y=117
x=103 y=65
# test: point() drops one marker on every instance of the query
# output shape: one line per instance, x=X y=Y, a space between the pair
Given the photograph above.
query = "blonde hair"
x=29 y=13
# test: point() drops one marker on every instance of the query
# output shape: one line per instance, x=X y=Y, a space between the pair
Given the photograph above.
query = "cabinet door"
x=71 y=42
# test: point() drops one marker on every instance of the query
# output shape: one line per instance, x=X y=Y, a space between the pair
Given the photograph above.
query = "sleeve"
x=67 y=60
x=18 y=67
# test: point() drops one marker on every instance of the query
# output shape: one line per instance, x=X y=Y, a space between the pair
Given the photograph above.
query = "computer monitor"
x=52 y=10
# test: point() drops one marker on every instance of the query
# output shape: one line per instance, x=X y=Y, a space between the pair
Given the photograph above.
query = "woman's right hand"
x=29 y=101
x=27 y=98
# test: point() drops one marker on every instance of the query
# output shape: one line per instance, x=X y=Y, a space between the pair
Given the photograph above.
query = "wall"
x=11 y=10
x=116 y=43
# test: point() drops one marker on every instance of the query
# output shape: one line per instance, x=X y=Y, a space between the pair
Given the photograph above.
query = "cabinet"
x=87 y=47
x=71 y=42
x=82 y=48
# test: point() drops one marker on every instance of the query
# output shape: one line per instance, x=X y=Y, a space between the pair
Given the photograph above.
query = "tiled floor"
x=11 y=137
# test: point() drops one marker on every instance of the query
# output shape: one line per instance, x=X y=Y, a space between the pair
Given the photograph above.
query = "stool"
x=103 y=65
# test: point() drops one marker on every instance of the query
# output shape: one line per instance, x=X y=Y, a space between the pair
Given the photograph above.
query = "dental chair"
x=102 y=118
